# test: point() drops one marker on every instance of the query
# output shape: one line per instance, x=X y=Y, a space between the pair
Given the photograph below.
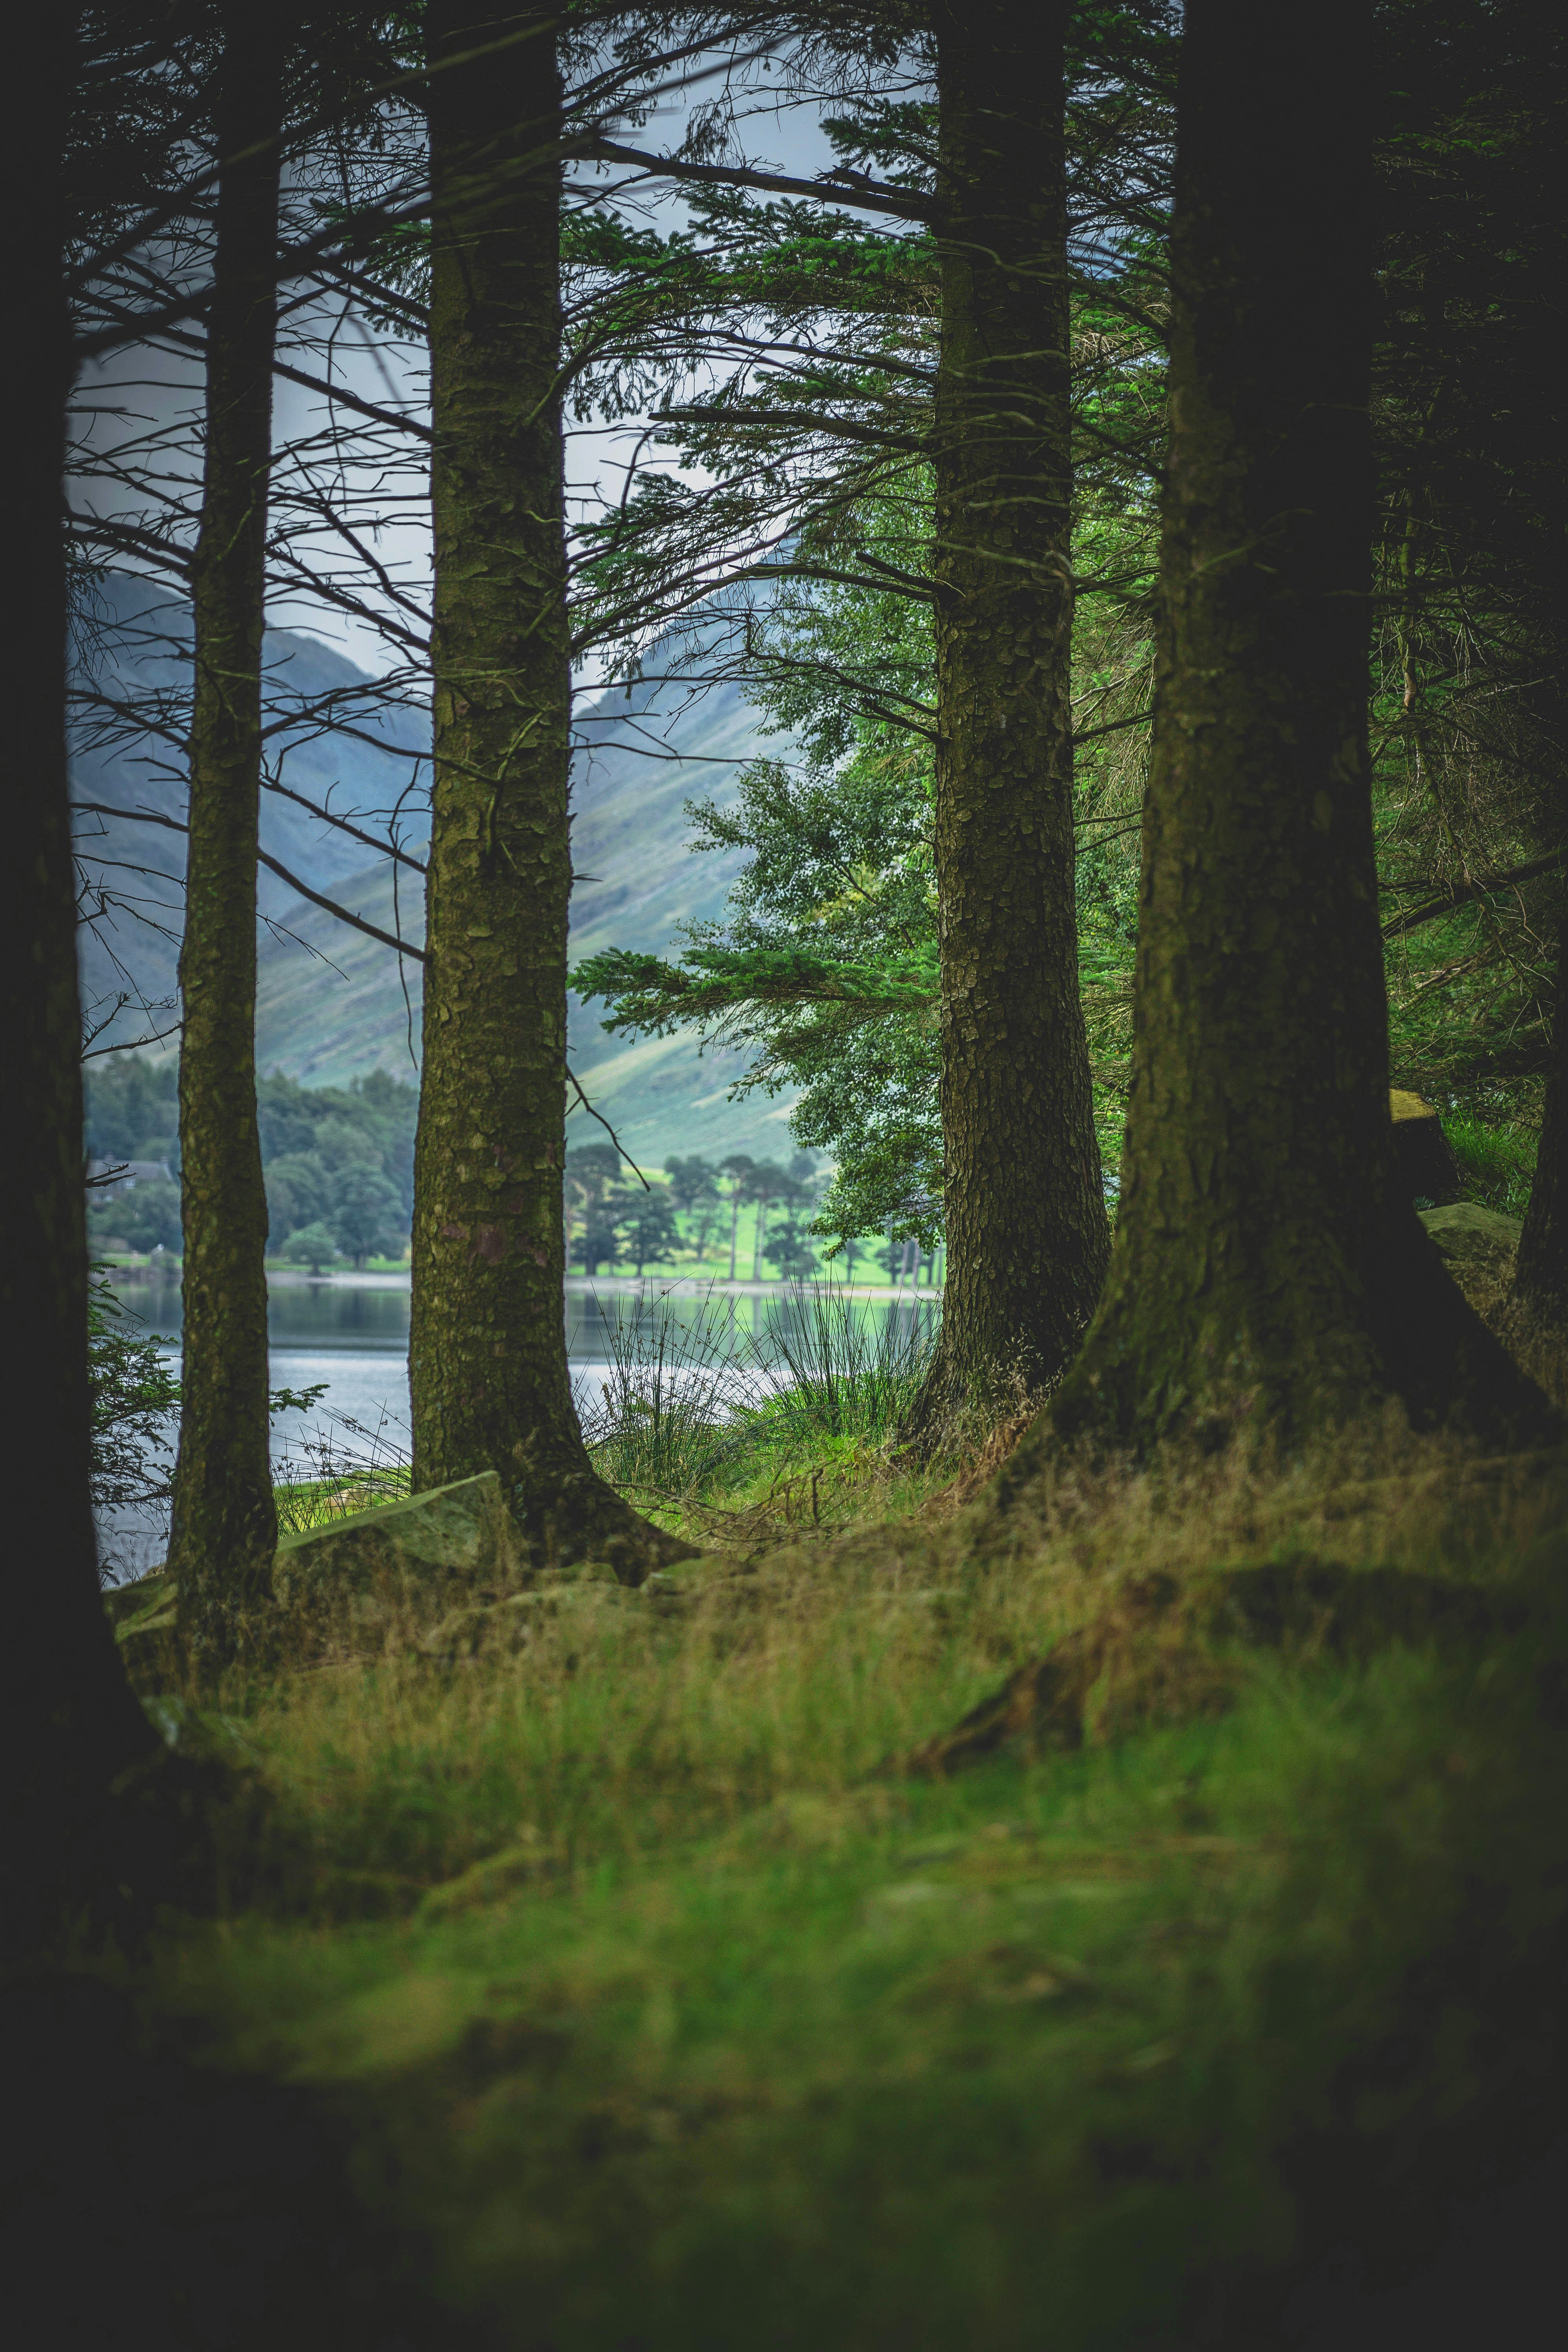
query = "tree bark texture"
x=488 y=1346
x=1266 y=1276
x=1027 y=1230
x=1540 y=1270
x=224 y=1521
x=70 y=1722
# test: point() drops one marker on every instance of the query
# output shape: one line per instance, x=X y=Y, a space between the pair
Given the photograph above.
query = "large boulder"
x=401 y=1563
x=447 y=1573
x=1478 y=1247
x=142 y=1616
x=1467 y=1234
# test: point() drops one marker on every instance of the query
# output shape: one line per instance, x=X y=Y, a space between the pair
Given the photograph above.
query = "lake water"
x=351 y=1338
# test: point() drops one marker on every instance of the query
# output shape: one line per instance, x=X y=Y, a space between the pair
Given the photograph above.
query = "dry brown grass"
x=576 y=1717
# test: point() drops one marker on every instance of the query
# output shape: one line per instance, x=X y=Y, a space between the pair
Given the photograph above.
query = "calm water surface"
x=352 y=1340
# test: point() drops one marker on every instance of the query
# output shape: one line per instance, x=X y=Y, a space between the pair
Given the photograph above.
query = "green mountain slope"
x=331 y=1007
x=331 y=1004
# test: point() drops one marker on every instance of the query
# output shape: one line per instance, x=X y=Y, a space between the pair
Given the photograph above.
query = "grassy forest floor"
x=679 y=1979
x=1138 y=1920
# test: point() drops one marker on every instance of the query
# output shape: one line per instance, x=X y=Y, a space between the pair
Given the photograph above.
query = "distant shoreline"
x=666 y=1286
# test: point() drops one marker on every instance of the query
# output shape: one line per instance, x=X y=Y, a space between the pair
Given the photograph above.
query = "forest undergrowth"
x=778 y=1954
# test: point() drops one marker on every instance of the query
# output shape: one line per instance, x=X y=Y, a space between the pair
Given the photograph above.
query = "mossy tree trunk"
x=1026 y=1232
x=224 y=1521
x=1267 y=1276
x=488 y=1349
x=1540 y=1270
x=71 y=1724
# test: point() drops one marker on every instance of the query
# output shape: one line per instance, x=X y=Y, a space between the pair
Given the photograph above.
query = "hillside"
x=330 y=1005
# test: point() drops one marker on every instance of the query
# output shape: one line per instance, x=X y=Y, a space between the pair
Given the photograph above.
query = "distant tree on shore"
x=364 y=1214
x=649 y=1223
x=314 y=1245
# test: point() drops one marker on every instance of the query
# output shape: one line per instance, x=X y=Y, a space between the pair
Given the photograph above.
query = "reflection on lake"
x=319 y=1319
x=352 y=1338
x=302 y=1317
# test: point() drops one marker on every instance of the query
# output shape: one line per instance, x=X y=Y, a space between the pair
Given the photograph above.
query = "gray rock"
x=452 y=1546
x=144 y=1617
x=1467 y=1234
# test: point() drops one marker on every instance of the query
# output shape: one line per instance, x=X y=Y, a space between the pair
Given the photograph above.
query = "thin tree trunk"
x=1540 y=1270
x=71 y=1724
x=224 y=1521
x=1267 y=1277
x=487 y=1352
x=1026 y=1229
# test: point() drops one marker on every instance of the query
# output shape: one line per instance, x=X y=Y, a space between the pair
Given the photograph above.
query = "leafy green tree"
x=737 y=1167
x=789 y=1247
x=826 y=966
x=366 y=1215
x=298 y=1192
x=146 y=1216
x=135 y=1404
x=131 y=1109
x=869 y=411
x=766 y=1182
x=346 y=1143
x=590 y=1179
x=315 y=1247
x=649 y=1223
x=691 y=1180
x=604 y=1242
x=693 y=1186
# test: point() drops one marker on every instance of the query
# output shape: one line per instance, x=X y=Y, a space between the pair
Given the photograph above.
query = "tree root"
x=1161 y=1652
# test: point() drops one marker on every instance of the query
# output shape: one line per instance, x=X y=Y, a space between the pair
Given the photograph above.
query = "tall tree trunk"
x=224 y=1528
x=1027 y=1237
x=1267 y=1276
x=488 y=1351
x=71 y=1724
x=1540 y=1271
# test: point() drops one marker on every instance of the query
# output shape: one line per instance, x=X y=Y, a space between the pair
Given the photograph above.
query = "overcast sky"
x=150 y=398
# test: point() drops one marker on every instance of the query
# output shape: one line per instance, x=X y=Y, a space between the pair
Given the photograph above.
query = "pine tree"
x=225 y=1523
x=1028 y=1239
x=487 y=1353
x=1266 y=1279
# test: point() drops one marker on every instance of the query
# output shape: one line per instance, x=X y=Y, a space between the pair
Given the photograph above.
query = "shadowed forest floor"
x=678 y=1978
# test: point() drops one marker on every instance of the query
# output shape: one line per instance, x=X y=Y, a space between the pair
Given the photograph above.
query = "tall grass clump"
x=1496 y=1164
x=690 y=1402
x=338 y=1466
x=670 y=1414
x=831 y=1373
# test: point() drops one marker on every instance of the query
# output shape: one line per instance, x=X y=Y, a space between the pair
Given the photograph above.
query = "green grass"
x=891 y=2064
x=695 y=1415
x=668 y=2014
x=1496 y=1163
